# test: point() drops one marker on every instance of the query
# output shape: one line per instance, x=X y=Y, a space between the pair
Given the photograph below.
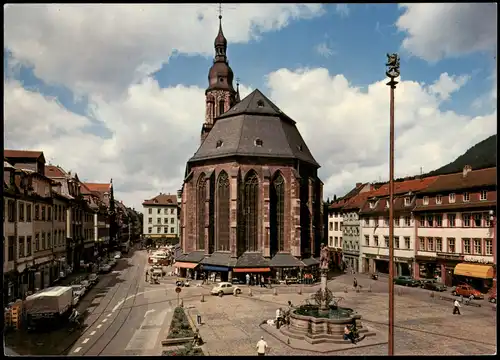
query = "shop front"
x=402 y=266
x=215 y=272
x=186 y=269
x=254 y=273
x=447 y=263
x=351 y=261
x=479 y=276
x=427 y=267
x=286 y=267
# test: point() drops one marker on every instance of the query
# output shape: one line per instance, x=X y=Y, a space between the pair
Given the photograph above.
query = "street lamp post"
x=392 y=72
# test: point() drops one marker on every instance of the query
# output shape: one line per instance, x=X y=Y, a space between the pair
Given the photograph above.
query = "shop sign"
x=476 y=260
x=449 y=256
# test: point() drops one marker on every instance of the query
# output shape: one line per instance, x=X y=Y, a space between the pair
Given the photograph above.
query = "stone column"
x=310 y=205
x=233 y=214
x=265 y=246
x=295 y=214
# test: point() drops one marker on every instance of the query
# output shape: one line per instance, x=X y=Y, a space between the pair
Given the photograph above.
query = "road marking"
x=104 y=320
x=108 y=315
x=99 y=326
x=85 y=341
x=148 y=312
x=92 y=333
x=132 y=296
x=77 y=349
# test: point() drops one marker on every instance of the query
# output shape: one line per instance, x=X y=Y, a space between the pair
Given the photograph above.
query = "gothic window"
x=200 y=210
x=223 y=212
x=221 y=107
x=277 y=209
x=250 y=211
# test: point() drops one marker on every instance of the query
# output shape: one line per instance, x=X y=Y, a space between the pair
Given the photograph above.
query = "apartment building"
x=161 y=216
x=334 y=227
x=456 y=228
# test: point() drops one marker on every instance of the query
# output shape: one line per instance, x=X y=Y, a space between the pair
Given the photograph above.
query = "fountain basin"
x=315 y=326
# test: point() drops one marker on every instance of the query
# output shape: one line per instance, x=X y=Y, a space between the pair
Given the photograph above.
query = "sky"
x=118 y=91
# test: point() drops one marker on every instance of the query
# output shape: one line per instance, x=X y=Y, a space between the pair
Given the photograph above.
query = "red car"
x=466 y=291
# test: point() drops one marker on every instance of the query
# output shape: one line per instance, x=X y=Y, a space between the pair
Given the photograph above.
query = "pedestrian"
x=198 y=319
x=355 y=283
x=261 y=347
x=146 y=276
x=247 y=278
x=456 y=307
x=254 y=279
x=262 y=281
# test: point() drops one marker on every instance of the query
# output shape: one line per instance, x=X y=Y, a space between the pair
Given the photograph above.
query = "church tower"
x=220 y=95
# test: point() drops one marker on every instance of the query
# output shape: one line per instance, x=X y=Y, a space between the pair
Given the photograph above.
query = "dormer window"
x=451 y=198
x=156 y=201
x=439 y=199
x=260 y=103
x=425 y=200
x=387 y=203
x=372 y=204
x=258 y=142
x=484 y=195
x=407 y=201
x=219 y=144
x=466 y=197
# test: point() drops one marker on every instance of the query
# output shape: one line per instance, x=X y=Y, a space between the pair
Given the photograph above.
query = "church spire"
x=237 y=97
x=220 y=44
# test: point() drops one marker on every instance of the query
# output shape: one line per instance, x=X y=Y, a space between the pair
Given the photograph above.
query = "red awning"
x=252 y=270
x=185 y=265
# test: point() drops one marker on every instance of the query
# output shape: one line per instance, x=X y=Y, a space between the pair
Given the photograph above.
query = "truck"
x=54 y=303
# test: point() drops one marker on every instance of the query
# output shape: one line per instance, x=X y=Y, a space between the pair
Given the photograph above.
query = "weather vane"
x=237 y=81
x=220 y=10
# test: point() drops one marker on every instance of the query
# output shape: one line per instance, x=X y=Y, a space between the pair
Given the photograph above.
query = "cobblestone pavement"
x=423 y=326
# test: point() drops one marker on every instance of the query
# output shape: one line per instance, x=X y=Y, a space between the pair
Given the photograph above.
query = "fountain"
x=324 y=321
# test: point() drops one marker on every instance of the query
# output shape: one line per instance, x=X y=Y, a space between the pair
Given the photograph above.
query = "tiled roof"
x=22 y=154
x=6 y=165
x=357 y=201
x=251 y=259
x=457 y=181
x=54 y=171
x=162 y=199
x=403 y=187
x=285 y=260
x=339 y=204
x=220 y=259
x=99 y=187
x=446 y=207
x=85 y=190
x=310 y=261
x=193 y=256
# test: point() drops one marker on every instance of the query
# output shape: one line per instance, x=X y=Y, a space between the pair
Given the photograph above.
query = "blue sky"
x=354 y=39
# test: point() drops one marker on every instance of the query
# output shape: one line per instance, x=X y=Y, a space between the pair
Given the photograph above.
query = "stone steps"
x=336 y=338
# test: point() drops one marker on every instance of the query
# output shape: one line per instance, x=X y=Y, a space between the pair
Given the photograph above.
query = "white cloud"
x=156 y=130
x=446 y=85
x=102 y=49
x=324 y=50
x=342 y=9
x=435 y=30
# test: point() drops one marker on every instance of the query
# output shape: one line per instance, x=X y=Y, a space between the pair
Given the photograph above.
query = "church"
x=251 y=197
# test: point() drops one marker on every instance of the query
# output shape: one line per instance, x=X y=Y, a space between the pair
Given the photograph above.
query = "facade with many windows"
x=161 y=217
x=454 y=226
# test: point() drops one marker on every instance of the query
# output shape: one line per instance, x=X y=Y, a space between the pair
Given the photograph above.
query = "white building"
x=161 y=217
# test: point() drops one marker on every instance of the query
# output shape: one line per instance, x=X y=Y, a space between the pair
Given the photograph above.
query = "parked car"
x=93 y=278
x=117 y=255
x=432 y=284
x=466 y=290
x=78 y=291
x=104 y=268
x=406 y=281
x=225 y=288
x=86 y=285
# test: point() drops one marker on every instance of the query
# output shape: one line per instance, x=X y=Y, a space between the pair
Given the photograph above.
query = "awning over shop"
x=185 y=265
x=285 y=260
x=474 y=270
x=252 y=270
x=215 y=268
x=310 y=262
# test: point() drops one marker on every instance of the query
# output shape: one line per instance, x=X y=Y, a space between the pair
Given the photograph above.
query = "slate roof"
x=219 y=259
x=193 y=256
x=285 y=260
x=310 y=261
x=162 y=199
x=251 y=260
x=254 y=118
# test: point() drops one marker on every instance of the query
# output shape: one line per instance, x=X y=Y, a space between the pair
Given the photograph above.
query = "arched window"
x=277 y=212
x=223 y=212
x=221 y=107
x=251 y=211
x=200 y=210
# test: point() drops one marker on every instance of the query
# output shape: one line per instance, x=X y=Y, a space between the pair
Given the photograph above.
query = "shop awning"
x=252 y=270
x=214 y=268
x=185 y=265
x=474 y=270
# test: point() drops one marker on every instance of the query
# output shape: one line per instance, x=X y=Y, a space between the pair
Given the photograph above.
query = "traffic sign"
x=178 y=290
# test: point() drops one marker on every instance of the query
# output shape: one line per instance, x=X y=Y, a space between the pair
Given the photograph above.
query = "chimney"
x=359 y=184
x=467 y=169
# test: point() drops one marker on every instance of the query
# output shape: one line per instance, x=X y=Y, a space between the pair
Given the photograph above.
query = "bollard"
x=250 y=292
x=182 y=303
x=299 y=291
x=370 y=288
x=288 y=341
x=431 y=294
x=400 y=291
x=275 y=291
x=345 y=289
x=202 y=298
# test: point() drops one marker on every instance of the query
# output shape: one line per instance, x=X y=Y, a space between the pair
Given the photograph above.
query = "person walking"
x=456 y=307
x=247 y=278
x=355 y=283
x=262 y=347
